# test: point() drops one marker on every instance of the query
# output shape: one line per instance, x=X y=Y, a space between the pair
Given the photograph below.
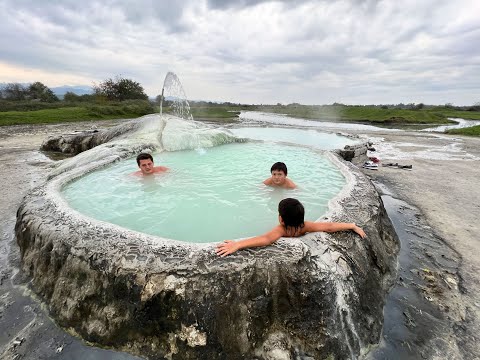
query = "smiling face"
x=146 y=166
x=278 y=177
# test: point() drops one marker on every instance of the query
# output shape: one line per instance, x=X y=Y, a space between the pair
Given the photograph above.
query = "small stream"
x=248 y=117
x=417 y=323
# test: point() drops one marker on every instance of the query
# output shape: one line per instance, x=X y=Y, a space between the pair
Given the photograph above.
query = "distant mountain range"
x=62 y=90
x=79 y=90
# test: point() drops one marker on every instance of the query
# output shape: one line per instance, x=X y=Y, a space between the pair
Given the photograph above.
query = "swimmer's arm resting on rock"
x=332 y=227
x=229 y=246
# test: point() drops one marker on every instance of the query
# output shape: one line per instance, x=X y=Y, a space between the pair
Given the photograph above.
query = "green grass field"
x=370 y=114
x=470 y=131
x=225 y=113
x=214 y=113
x=218 y=113
x=125 y=110
x=363 y=114
x=55 y=116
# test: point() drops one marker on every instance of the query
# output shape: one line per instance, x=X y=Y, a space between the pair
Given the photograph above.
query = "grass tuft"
x=470 y=131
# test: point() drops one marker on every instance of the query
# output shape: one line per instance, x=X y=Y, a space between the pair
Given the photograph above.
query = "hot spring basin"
x=319 y=295
x=308 y=137
x=209 y=194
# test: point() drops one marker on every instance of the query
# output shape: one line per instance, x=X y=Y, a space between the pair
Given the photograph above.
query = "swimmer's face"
x=146 y=166
x=278 y=177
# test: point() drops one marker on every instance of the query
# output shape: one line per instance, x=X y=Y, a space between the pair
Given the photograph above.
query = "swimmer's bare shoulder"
x=290 y=184
x=158 y=169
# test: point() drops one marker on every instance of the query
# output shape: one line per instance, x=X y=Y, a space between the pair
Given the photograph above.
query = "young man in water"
x=145 y=163
x=279 y=177
x=291 y=215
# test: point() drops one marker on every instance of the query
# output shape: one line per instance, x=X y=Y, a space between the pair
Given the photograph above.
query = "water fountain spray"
x=161 y=101
x=180 y=105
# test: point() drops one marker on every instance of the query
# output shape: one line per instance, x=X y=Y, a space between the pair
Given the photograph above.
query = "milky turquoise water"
x=308 y=137
x=208 y=195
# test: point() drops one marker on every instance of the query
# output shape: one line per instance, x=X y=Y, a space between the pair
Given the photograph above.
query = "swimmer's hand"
x=359 y=231
x=229 y=246
x=226 y=248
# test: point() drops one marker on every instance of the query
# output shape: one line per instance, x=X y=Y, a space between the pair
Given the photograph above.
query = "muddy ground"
x=432 y=312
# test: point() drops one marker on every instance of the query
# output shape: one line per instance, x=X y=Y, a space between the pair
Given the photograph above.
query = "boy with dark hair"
x=145 y=163
x=291 y=215
x=279 y=177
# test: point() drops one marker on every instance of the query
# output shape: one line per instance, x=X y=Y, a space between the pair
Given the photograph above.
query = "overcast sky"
x=252 y=51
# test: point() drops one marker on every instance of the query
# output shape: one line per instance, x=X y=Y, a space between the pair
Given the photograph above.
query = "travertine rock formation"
x=312 y=297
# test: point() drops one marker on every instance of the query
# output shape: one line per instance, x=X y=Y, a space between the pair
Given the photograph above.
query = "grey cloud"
x=311 y=51
x=366 y=5
x=71 y=13
x=236 y=4
x=168 y=13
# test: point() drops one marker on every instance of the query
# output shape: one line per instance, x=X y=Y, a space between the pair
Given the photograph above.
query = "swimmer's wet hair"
x=292 y=213
x=143 y=156
x=279 y=166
